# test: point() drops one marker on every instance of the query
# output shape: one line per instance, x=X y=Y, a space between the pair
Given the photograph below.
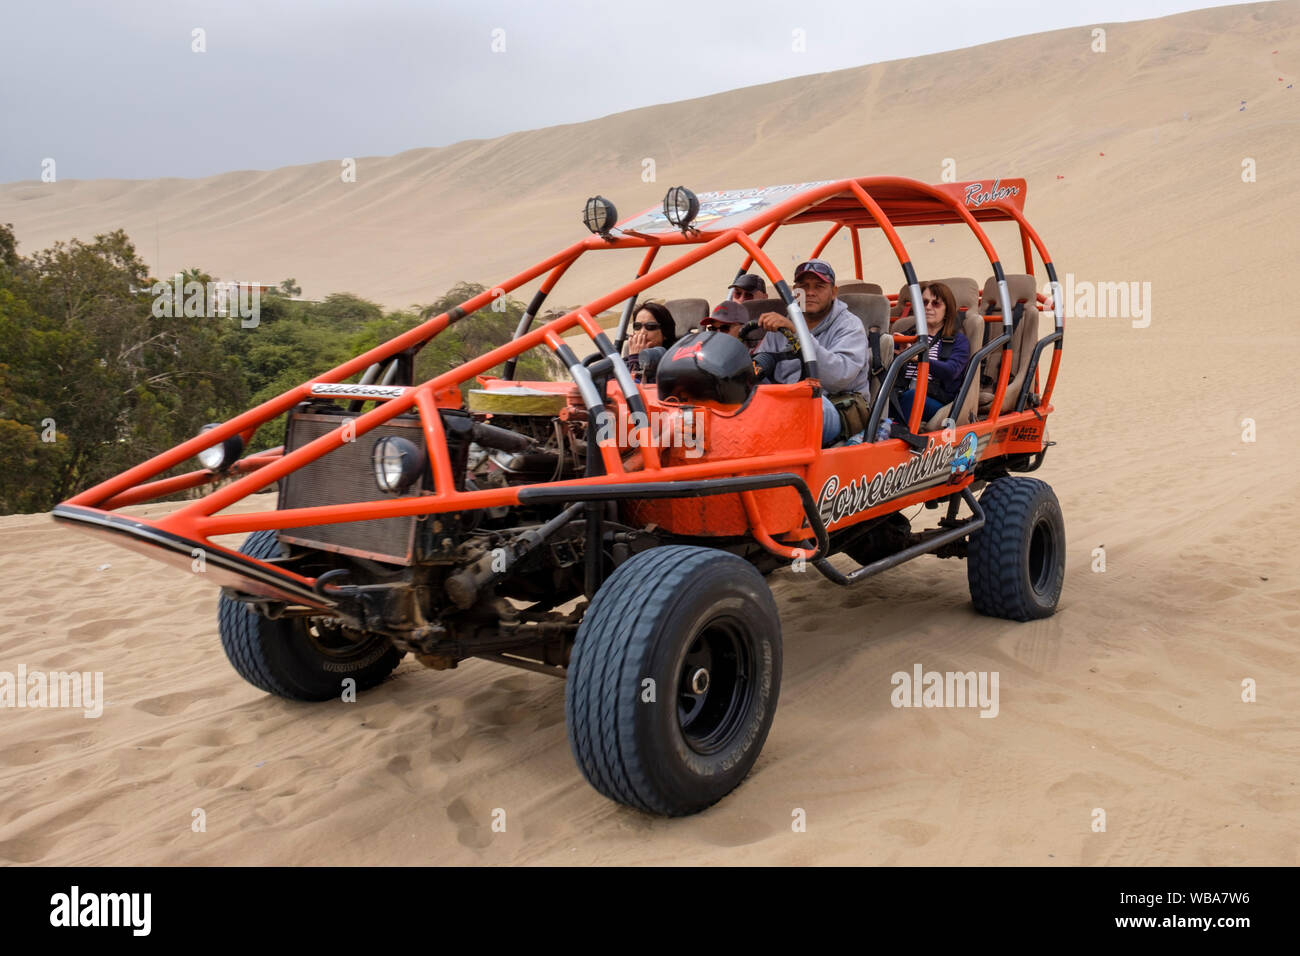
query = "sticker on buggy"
x=968 y=452
x=977 y=195
x=934 y=466
x=721 y=209
x=358 y=391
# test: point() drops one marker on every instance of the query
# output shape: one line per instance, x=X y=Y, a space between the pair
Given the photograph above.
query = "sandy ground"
x=1128 y=700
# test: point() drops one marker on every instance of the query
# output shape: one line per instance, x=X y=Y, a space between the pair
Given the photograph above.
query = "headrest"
x=850 y=286
x=687 y=313
x=872 y=309
x=756 y=307
x=1021 y=287
x=965 y=290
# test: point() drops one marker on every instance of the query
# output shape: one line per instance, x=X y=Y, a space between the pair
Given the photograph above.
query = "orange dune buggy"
x=617 y=533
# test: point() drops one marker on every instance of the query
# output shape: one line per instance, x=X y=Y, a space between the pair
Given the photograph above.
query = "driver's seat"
x=756 y=307
x=872 y=309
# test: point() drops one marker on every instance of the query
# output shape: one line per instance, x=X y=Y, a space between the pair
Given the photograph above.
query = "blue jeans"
x=831 y=423
x=932 y=405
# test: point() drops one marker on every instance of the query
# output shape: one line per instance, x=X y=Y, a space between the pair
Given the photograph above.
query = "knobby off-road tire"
x=683 y=742
x=290 y=657
x=1015 y=564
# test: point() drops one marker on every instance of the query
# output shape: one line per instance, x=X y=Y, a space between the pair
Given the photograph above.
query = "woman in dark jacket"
x=652 y=325
x=942 y=322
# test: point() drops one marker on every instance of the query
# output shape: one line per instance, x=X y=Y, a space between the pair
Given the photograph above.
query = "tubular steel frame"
x=199 y=520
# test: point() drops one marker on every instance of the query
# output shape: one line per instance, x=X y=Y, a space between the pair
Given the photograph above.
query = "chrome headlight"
x=220 y=456
x=398 y=463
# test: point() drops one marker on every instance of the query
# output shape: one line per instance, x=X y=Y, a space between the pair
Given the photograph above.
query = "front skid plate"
x=221 y=567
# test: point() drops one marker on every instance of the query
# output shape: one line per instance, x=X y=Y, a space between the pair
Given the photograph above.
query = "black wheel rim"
x=1042 y=556
x=714 y=686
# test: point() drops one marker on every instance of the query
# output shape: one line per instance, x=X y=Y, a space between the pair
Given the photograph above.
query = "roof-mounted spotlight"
x=681 y=206
x=599 y=215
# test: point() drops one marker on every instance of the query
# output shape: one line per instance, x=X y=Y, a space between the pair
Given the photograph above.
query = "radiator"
x=346 y=475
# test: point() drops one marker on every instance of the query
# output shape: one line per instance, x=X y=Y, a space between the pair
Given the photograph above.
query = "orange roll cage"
x=870 y=202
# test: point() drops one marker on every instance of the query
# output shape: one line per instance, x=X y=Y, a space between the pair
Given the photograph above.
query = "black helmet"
x=706 y=365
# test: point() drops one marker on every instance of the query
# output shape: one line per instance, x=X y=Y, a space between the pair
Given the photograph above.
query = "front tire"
x=297 y=658
x=674 y=679
x=1015 y=564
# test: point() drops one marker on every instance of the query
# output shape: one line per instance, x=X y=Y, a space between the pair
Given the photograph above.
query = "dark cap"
x=749 y=283
x=818 y=267
x=730 y=313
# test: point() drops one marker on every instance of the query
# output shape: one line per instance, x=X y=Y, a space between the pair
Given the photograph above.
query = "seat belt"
x=873 y=344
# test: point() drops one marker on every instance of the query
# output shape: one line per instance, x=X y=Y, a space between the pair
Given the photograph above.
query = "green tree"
x=120 y=384
x=8 y=246
x=92 y=382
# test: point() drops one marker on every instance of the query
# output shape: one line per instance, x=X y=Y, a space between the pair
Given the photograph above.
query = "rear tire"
x=1015 y=564
x=702 y=626
x=296 y=658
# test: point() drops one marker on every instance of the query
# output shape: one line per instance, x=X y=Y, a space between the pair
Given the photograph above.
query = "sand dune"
x=1038 y=107
x=1129 y=699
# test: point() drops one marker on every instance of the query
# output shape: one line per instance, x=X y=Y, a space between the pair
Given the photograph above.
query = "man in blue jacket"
x=839 y=341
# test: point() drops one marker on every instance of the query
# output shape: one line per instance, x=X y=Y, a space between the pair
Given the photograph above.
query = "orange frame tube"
x=199 y=519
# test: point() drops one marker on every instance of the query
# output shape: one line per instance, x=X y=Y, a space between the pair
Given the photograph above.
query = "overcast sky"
x=114 y=88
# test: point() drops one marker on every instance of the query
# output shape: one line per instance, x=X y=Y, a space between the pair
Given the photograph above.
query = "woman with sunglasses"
x=652 y=325
x=949 y=352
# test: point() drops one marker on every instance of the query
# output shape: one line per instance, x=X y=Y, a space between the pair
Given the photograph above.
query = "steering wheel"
x=752 y=327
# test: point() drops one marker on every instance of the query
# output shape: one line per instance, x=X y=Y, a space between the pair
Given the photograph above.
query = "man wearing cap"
x=839 y=342
x=748 y=287
x=729 y=317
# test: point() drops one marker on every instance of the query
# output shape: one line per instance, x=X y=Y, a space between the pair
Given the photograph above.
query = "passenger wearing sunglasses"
x=748 y=287
x=729 y=317
x=949 y=352
x=652 y=327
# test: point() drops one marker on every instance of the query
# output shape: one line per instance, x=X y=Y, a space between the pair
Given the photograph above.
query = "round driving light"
x=221 y=456
x=599 y=215
x=398 y=463
x=681 y=206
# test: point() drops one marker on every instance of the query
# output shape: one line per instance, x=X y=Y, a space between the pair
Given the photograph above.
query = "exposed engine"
x=448 y=586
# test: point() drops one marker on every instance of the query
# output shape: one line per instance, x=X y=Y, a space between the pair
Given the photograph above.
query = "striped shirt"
x=935 y=343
